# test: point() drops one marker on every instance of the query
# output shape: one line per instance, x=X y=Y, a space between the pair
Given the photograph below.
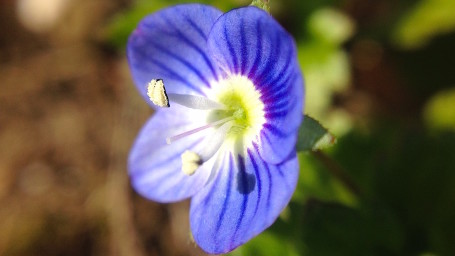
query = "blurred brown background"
x=68 y=115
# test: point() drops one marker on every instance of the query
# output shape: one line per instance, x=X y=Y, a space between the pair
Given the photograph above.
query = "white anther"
x=190 y=162
x=157 y=93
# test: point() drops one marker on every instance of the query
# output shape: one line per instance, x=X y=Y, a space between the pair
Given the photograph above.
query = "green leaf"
x=313 y=136
x=262 y=4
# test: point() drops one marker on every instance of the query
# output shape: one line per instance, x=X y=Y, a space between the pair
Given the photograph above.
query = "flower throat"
x=242 y=103
x=234 y=110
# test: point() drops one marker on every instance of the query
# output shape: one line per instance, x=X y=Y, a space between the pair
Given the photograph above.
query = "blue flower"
x=231 y=93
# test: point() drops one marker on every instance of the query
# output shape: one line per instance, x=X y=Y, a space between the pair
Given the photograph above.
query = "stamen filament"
x=215 y=141
x=194 y=102
x=169 y=140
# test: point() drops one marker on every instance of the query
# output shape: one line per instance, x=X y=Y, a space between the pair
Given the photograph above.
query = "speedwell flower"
x=231 y=95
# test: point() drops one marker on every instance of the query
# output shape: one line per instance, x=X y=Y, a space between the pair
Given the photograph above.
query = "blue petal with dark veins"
x=245 y=197
x=155 y=168
x=249 y=42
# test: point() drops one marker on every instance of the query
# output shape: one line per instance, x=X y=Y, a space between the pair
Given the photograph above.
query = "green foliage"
x=330 y=26
x=440 y=111
x=411 y=172
x=313 y=136
x=316 y=181
x=267 y=244
x=325 y=64
x=333 y=229
x=262 y=4
x=427 y=19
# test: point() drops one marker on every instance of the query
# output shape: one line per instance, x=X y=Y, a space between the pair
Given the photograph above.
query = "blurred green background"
x=380 y=75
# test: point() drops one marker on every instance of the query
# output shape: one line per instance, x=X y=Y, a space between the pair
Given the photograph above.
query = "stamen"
x=184 y=134
x=157 y=93
x=190 y=162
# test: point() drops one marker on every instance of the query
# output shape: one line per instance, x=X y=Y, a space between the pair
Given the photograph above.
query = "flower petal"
x=155 y=167
x=245 y=197
x=249 y=42
x=283 y=118
x=171 y=45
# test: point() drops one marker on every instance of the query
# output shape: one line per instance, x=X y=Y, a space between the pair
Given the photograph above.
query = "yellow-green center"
x=243 y=105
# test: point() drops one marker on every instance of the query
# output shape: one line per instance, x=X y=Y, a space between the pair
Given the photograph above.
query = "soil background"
x=68 y=116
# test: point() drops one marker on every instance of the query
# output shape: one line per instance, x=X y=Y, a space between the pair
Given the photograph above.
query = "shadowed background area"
x=380 y=75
